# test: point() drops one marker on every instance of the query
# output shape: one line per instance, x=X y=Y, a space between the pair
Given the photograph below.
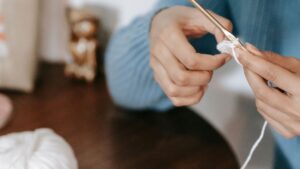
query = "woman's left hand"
x=280 y=109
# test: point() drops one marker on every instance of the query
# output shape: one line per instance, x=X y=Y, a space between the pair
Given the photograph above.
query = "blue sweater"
x=269 y=24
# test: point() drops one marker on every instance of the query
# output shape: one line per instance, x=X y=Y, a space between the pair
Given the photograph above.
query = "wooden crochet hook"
x=227 y=34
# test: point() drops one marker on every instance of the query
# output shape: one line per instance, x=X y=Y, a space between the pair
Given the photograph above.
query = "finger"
x=282 y=118
x=289 y=63
x=167 y=85
x=277 y=126
x=281 y=77
x=252 y=49
x=212 y=62
x=188 y=101
x=268 y=95
x=176 y=71
x=178 y=44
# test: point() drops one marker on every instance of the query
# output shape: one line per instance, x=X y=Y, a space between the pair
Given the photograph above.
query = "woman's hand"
x=280 y=109
x=182 y=73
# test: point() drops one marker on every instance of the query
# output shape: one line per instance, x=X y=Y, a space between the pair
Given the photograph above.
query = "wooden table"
x=105 y=137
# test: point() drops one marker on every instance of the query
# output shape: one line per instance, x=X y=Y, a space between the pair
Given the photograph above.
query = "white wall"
x=54 y=37
x=126 y=9
x=54 y=31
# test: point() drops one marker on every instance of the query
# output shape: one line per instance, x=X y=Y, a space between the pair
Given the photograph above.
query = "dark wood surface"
x=106 y=137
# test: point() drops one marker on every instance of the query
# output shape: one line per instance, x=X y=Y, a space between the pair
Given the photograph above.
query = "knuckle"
x=271 y=75
x=182 y=79
x=269 y=55
x=165 y=33
x=191 y=63
x=155 y=49
x=293 y=110
x=260 y=94
x=171 y=91
x=243 y=59
x=259 y=106
x=177 y=102
x=295 y=130
x=206 y=76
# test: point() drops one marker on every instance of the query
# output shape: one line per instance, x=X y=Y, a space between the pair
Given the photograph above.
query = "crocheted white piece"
x=41 y=149
x=228 y=47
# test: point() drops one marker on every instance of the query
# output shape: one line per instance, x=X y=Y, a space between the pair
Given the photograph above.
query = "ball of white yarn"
x=41 y=149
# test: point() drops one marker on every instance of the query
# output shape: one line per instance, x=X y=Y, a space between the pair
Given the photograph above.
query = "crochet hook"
x=227 y=34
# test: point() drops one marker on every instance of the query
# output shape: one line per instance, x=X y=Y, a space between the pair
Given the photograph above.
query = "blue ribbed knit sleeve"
x=129 y=76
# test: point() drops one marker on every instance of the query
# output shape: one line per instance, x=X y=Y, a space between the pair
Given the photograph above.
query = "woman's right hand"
x=182 y=73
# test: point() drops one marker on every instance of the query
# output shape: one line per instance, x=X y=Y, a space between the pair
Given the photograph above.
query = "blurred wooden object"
x=83 y=45
x=104 y=137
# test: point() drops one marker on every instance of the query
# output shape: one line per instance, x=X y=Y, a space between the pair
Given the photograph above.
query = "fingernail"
x=253 y=49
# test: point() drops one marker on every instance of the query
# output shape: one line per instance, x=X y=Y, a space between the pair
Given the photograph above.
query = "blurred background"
x=113 y=14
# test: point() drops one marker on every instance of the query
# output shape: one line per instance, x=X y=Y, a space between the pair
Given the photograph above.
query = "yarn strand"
x=255 y=145
x=228 y=47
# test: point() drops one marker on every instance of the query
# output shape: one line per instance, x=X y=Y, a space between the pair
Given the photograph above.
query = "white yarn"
x=228 y=47
x=257 y=142
x=40 y=149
